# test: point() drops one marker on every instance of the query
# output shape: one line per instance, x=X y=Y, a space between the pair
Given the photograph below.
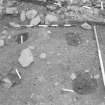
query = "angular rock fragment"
x=73 y=39
x=10 y=80
x=86 y=26
x=23 y=16
x=50 y=18
x=84 y=84
x=22 y=37
x=35 y=21
x=26 y=57
x=6 y=83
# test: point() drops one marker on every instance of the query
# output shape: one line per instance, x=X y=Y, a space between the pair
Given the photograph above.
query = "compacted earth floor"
x=59 y=54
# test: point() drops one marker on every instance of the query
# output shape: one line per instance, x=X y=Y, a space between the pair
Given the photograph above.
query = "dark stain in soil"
x=73 y=38
x=84 y=84
x=22 y=36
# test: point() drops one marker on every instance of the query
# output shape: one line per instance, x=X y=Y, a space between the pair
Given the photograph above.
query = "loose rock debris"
x=64 y=51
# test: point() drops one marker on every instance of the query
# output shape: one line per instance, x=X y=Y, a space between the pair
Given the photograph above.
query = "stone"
x=11 y=10
x=51 y=18
x=23 y=16
x=30 y=14
x=1 y=10
x=6 y=83
x=73 y=76
x=1 y=42
x=26 y=57
x=84 y=1
x=86 y=26
x=43 y=55
x=15 y=25
x=10 y=80
x=35 y=21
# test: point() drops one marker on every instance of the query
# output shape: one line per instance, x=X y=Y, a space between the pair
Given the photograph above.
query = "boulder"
x=26 y=57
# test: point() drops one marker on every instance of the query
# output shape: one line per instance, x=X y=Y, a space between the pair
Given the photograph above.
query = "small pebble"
x=35 y=21
x=43 y=55
x=30 y=14
x=86 y=26
x=97 y=76
x=26 y=57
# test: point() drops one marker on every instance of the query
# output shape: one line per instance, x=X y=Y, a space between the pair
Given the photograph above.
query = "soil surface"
x=43 y=81
x=59 y=53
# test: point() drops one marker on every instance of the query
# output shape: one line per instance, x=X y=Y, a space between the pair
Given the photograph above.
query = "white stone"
x=86 y=26
x=51 y=18
x=35 y=21
x=43 y=55
x=73 y=76
x=23 y=16
x=26 y=57
x=30 y=14
x=11 y=10
x=1 y=43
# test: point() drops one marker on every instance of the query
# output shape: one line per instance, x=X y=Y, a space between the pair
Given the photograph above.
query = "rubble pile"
x=57 y=11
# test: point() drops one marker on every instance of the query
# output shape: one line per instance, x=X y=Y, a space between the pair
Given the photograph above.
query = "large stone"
x=86 y=26
x=11 y=10
x=35 y=21
x=51 y=18
x=23 y=16
x=26 y=57
x=1 y=43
